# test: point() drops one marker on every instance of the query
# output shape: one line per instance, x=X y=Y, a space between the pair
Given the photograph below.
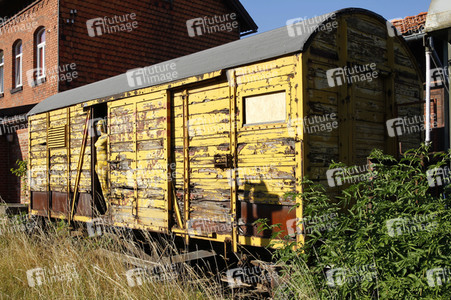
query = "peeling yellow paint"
x=185 y=146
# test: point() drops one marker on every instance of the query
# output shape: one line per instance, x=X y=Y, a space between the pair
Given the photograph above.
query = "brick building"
x=412 y=29
x=48 y=46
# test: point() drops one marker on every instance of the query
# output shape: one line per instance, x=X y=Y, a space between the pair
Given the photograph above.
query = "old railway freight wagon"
x=204 y=145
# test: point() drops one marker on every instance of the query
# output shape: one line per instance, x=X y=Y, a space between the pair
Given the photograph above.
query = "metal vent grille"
x=56 y=137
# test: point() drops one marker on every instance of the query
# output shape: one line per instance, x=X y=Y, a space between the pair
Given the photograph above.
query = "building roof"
x=410 y=25
x=260 y=47
x=247 y=24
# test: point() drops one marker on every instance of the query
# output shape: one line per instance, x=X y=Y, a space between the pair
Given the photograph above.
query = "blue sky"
x=271 y=14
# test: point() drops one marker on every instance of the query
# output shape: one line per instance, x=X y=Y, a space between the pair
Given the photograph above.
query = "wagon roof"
x=271 y=44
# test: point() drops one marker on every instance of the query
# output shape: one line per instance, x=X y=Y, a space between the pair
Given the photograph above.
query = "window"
x=18 y=64
x=40 y=54
x=2 y=63
x=269 y=108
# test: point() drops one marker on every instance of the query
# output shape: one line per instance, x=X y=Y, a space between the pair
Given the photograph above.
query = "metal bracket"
x=223 y=161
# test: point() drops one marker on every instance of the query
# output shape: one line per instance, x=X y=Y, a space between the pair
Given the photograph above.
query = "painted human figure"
x=101 y=150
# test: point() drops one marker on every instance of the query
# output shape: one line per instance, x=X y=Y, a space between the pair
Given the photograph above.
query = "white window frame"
x=40 y=64
x=257 y=102
x=18 y=62
x=2 y=71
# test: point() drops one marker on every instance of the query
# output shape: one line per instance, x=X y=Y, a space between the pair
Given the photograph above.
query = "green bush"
x=383 y=238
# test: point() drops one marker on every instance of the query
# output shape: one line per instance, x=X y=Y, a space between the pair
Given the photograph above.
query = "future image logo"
x=407 y=125
x=10 y=125
x=309 y=224
x=107 y=25
x=339 y=176
x=354 y=74
x=438 y=176
x=95 y=227
x=16 y=224
x=95 y=27
x=244 y=276
x=35 y=77
x=293 y=227
x=19 y=23
x=332 y=177
x=395 y=127
x=59 y=273
x=438 y=276
x=135 y=277
x=395 y=226
x=305 y=25
x=312 y=124
x=139 y=276
x=56 y=73
x=439 y=77
x=35 y=277
x=151 y=75
x=337 y=277
x=209 y=25
x=195 y=27
x=403 y=225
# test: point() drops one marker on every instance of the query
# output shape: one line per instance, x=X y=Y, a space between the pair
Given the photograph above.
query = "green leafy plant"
x=389 y=234
x=22 y=168
x=21 y=172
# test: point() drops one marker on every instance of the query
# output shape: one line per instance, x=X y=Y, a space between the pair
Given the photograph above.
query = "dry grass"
x=95 y=268
x=91 y=273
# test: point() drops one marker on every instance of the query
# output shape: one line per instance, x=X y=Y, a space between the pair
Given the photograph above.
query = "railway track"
x=240 y=278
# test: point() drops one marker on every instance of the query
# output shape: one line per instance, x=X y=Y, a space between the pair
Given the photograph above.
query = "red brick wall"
x=12 y=188
x=4 y=164
x=438 y=106
x=161 y=34
x=41 y=14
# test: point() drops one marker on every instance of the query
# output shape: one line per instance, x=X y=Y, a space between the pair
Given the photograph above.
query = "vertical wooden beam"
x=170 y=201
x=49 y=197
x=93 y=161
x=30 y=167
x=108 y=155
x=390 y=100
x=300 y=107
x=351 y=90
x=447 y=95
x=233 y=152
x=68 y=155
x=186 y=172
x=344 y=132
x=80 y=164
x=135 y=161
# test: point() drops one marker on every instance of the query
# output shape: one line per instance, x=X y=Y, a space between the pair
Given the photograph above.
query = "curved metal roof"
x=274 y=43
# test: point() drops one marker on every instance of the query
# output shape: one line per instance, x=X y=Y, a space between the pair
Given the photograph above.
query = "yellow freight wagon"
x=203 y=145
